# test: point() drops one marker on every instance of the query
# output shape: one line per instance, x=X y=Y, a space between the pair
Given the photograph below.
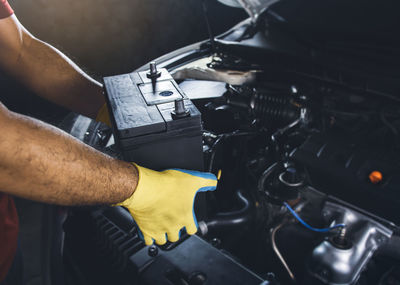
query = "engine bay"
x=310 y=153
x=309 y=171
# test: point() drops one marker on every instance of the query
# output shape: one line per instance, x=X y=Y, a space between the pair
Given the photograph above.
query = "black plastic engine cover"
x=195 y=262
x=190 y=261
x=342 y=170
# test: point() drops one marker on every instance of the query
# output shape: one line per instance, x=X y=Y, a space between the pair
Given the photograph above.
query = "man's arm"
x=46 y=71
x=42 y=163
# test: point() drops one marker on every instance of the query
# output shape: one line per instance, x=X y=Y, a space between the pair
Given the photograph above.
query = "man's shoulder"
x=5 y=9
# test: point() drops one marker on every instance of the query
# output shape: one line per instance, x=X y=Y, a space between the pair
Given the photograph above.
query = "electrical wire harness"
x=323 y=230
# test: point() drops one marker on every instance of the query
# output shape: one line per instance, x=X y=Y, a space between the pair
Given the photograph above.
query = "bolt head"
x=153 y=251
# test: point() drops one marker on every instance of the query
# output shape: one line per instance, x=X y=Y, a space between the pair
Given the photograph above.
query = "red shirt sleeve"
x=8 y=233
x=5 y=9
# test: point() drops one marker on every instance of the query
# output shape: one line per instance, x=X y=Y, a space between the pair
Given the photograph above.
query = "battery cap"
x=375 y=177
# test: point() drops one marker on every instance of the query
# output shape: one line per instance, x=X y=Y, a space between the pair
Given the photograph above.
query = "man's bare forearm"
x=46 y=71
x=42 y=163
x=58 y=79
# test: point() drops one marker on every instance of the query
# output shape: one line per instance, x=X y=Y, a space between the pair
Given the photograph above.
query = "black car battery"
x=154 y=123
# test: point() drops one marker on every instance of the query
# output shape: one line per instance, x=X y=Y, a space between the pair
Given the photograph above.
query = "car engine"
x=309 y=173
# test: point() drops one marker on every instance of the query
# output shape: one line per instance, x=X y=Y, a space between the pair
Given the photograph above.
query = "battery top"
x=141 y=106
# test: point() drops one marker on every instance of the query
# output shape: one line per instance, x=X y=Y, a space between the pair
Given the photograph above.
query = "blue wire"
x=310 y=227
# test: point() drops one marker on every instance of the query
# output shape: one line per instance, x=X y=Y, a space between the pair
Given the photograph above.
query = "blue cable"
x=310 y=227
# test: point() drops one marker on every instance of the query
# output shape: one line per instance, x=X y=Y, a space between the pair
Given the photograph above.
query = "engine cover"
x=190 y=261
x=342 y=170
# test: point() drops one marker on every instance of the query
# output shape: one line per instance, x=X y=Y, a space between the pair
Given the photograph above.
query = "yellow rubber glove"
x=103 y=116
x=162 y=203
